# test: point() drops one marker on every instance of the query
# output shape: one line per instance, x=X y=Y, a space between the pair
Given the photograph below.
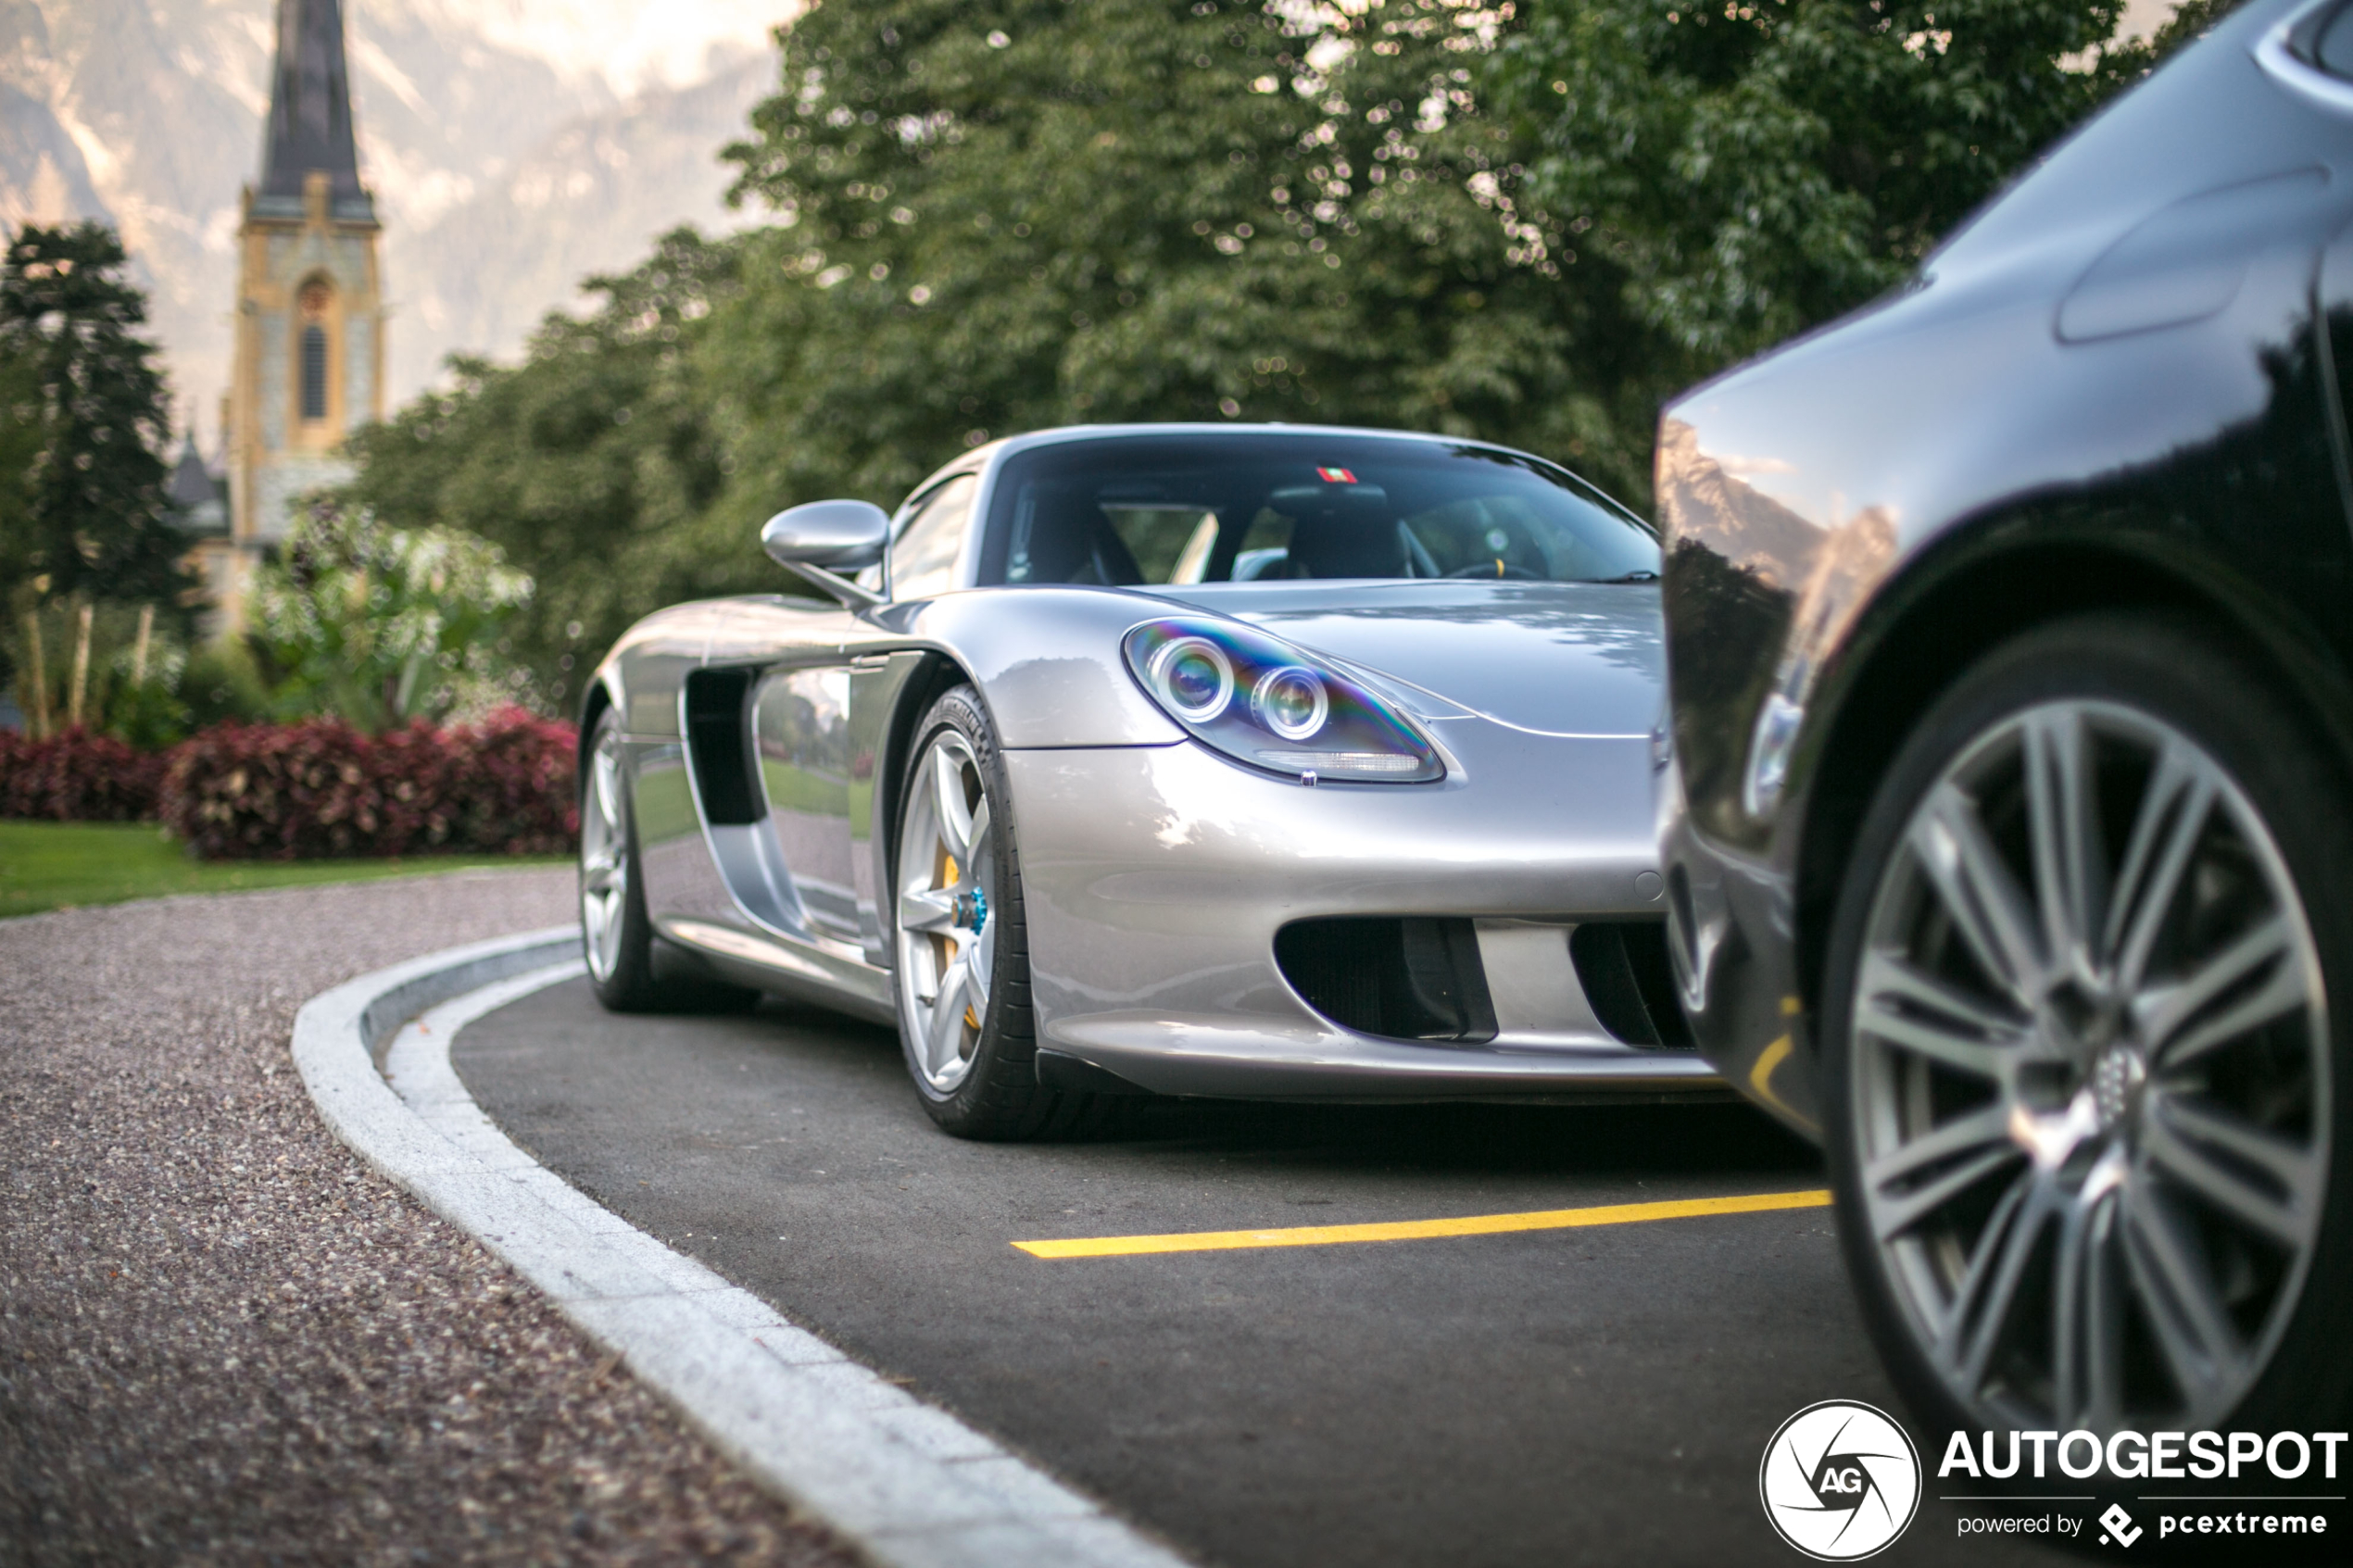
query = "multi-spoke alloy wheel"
x=947 y=942
x=2086 y=1073
x=961 y=942
x=604 y=857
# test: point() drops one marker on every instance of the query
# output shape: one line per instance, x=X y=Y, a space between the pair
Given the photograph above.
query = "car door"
x=770 y=720
x=812 y=767
x=802 y=752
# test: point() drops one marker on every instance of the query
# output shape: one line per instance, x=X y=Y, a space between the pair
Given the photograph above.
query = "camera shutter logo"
x=1839 y=1481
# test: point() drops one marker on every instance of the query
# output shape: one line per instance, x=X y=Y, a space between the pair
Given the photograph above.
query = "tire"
x=616 y=935
x=960 y=942
x=2086 y=1103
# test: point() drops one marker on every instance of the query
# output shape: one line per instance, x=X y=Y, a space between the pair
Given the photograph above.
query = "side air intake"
x=715 y=725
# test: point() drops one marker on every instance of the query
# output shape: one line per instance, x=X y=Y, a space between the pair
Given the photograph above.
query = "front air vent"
x=1624 y=968
x=1406 y=979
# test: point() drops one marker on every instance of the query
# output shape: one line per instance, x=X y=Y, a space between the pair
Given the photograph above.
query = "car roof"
x=1061 y=433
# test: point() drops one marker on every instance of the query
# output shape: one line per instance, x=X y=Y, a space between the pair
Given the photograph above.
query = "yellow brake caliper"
x=947 y=879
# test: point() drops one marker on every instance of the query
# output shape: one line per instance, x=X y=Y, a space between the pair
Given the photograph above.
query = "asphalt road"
x=1598 y=1395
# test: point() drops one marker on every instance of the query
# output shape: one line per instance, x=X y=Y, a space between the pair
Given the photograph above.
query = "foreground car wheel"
x=2086 y=1106
x=963 y=964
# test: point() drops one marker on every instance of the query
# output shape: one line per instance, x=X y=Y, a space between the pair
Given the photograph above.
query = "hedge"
x=319 y=788
x=78 y=776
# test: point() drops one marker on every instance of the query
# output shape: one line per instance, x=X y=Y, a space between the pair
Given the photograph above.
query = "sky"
x=632 y=44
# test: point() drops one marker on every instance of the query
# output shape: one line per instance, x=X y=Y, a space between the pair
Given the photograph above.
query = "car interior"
x=1115 y=530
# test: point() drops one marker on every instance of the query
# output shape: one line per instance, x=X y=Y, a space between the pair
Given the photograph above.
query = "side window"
x=923 y=555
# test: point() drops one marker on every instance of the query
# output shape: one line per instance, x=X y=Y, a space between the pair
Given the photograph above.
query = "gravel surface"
x=224 y=1340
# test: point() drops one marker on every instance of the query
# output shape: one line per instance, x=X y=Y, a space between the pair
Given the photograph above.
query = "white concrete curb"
x=907 y=1484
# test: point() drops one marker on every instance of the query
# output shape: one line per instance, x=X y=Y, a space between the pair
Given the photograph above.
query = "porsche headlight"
x=1269 y=705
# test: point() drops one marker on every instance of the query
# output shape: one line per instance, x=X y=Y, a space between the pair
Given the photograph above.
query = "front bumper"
x=1154 y=880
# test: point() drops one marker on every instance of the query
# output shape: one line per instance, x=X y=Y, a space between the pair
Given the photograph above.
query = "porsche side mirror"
x=821 y=539
x=834 y=534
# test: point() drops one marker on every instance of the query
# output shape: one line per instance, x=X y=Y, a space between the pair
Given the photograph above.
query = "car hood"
x=1564 y=658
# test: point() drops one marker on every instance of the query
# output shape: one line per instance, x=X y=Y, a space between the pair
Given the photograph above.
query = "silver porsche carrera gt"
x=1271 y=762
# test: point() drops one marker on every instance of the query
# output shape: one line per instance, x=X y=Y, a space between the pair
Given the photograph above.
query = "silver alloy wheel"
x=946 y=941
x=604 y=859
x=2090 y=1076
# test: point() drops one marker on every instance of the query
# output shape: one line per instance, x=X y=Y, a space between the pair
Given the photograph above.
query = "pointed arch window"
x=315 y=299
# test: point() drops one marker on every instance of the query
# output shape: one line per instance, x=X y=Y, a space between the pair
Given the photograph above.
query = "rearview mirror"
x=836 y=536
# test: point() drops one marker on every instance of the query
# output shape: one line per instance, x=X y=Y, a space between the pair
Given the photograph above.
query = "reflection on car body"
x=1201 y=760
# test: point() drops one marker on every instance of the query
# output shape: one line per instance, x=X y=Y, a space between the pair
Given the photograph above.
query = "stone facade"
x=308 y=353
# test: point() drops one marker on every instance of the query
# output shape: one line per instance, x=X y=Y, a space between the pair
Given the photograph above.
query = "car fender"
x=1046 y=662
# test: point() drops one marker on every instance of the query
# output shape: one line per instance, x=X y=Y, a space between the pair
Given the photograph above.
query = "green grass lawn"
x=59 y=865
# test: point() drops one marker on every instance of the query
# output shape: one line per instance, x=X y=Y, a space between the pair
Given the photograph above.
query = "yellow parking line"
x=1416 y=1230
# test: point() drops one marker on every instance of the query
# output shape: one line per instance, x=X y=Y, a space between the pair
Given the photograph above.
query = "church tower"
x=310 y=328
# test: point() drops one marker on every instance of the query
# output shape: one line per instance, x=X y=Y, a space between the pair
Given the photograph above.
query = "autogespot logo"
x=1839 y=1481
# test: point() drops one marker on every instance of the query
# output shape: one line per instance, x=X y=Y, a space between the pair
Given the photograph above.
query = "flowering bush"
x=78 y=776
x=289 y=792
x=324 y=788
x=380 y=626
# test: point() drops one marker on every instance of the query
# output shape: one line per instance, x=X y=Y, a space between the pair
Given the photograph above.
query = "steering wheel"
x=1498 y=568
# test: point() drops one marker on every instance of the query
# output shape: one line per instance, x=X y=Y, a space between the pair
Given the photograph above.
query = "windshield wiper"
x=1646 y=575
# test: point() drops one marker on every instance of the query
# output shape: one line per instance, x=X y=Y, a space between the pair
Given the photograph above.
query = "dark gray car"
x=2007 y=828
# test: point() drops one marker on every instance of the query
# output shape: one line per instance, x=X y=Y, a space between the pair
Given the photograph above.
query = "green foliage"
x=1131 y=209
x=1725 y=177
x=2191 y=20
x=1001 y=217
x=379 y=625
x=87 y=421
x=1526 y=223
x=594 y=461
x=20 y=443
x=223 y=682
x=128 y=691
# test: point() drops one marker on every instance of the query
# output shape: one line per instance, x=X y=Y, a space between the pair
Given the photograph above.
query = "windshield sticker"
x=1336 y=476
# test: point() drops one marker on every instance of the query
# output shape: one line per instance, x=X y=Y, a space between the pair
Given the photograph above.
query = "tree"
x=381 y=625
x=1721 y=177
x=92 y=517
x=19 y=444
x=1000 y=216
x=1526 y=224
x=1133 y=209
x=592 y=462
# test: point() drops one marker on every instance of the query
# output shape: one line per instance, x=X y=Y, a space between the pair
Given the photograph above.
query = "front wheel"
x=960 y=941
x=2086 y=1098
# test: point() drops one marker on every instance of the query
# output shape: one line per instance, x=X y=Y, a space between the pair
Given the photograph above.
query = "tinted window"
x=930 y=538
x=1221 y=509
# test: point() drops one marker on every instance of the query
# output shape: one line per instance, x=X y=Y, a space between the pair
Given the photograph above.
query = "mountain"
x=585 y=199
x=514 y=147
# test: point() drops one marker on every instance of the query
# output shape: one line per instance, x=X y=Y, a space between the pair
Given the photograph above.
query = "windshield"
x=1153 y=510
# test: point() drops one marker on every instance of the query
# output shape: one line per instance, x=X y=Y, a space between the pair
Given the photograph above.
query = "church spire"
x=309 y=127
